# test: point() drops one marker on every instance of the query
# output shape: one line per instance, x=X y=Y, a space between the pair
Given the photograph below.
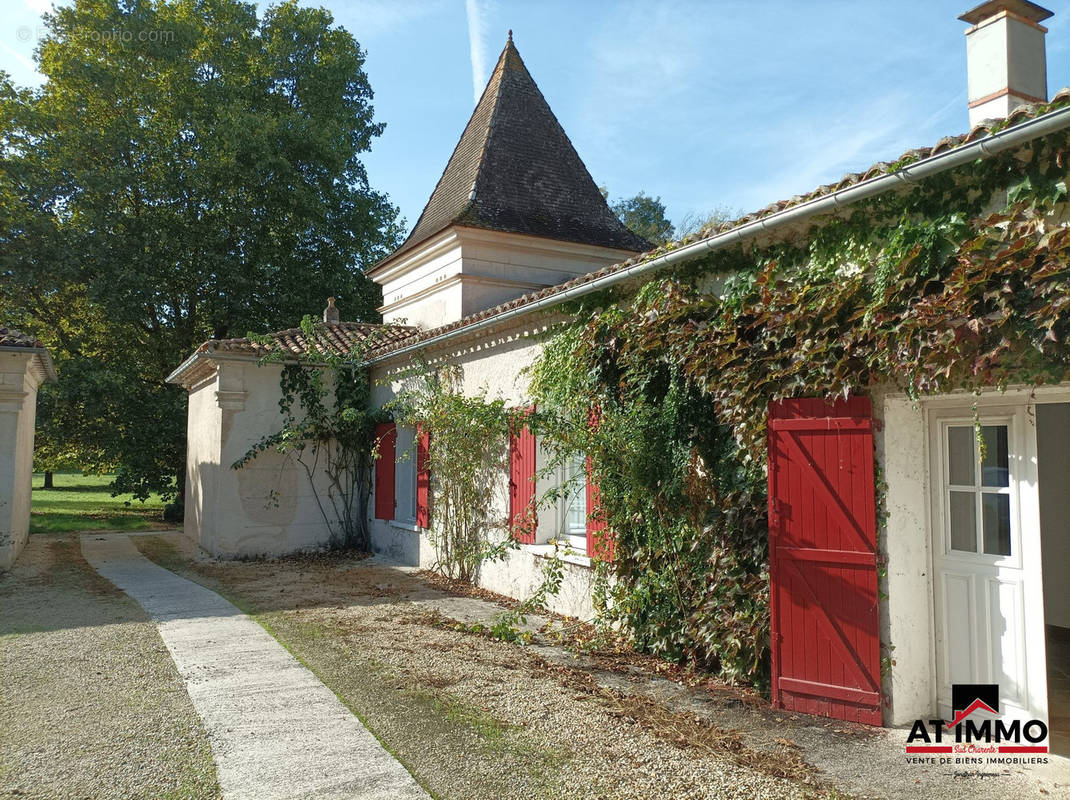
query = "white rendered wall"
x=496 y=364
x=466 y=270
x=18 y=405
x=266 y=508
x=906 y=615
x=518 y=576
x=203 y=427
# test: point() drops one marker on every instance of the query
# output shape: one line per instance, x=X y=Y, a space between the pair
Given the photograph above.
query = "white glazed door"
x=986 y=543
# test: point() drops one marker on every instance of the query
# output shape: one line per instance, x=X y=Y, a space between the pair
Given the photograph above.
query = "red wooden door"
x=823 y=559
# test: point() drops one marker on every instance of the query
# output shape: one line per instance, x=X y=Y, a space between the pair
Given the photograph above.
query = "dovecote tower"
x=515 y=211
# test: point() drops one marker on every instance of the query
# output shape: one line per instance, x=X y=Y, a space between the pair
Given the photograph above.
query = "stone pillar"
x=18 y=394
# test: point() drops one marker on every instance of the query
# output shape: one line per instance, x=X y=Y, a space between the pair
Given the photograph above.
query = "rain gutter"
x=908 y=175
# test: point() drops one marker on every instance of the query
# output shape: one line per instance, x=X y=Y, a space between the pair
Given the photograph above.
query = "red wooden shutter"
x=386 y=433
x=599 y=536
x=423 y=478
x=823 y=559
x=522 y=515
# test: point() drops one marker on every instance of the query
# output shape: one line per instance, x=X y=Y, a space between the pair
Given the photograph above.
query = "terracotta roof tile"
x=339 y=338
x=985 y=128
x=9 y=337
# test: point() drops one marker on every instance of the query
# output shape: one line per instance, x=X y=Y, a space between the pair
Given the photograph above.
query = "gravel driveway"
x=91 y=705
x=473 y=717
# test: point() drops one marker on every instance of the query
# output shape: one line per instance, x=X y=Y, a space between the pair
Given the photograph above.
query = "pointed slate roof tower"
x=514 y=171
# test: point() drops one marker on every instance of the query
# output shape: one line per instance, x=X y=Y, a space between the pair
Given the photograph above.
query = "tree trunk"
x=48 y=480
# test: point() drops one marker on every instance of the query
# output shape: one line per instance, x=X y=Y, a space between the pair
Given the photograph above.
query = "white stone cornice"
x=231 y=400
x=11 y=399
x=230 y=389
x=456 y=278
x=389 y=270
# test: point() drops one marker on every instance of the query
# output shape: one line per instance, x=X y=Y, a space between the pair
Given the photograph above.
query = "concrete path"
x=276 y=731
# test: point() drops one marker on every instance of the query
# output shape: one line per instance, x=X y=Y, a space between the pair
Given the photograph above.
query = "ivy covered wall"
x=959 y=282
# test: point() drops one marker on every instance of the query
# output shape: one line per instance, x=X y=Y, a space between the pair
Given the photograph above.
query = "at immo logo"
x=977 y=729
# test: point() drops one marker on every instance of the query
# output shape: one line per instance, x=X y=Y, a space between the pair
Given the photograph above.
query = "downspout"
x=913 y=173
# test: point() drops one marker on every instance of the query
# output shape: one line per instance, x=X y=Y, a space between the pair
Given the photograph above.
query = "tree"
x=645 y=216
x=186 y=171
x=50 y=451
x=706 y=224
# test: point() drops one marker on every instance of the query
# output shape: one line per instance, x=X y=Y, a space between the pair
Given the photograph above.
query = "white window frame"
x=942 y=501
x=573 y=489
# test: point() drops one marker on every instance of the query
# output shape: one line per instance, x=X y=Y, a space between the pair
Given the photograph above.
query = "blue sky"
x=706 y=104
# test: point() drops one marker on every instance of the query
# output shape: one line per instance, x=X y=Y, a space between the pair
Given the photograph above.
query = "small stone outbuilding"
x=24 y=365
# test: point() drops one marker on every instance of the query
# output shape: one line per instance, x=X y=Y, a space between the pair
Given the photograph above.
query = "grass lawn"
x=84 y=503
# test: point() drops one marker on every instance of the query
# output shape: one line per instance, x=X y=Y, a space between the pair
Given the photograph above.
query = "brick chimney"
x=1005 y=60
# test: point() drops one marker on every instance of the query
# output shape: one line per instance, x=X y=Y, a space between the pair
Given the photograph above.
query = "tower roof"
x=515 y=170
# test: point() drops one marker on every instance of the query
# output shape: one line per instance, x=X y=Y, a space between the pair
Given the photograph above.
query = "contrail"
x=26 y=62
x=475 y=46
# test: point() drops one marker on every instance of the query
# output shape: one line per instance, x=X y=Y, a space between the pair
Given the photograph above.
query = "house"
x=975 y=544
x=24 y=365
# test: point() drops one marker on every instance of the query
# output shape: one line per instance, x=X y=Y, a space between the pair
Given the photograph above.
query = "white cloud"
x=642 y=63
x=477 y=45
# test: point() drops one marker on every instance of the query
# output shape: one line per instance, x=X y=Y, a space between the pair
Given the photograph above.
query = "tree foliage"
x=188 y=170
x=689 y=564
x=467 y=459
x=645 y=216
x=693 y=224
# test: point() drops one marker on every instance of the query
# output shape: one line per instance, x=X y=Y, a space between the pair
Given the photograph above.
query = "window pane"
x=576 y=516
x=994 y=466
x=960 y=455
x=996 y=513
x=963 y=521
x=405 y=476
